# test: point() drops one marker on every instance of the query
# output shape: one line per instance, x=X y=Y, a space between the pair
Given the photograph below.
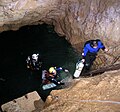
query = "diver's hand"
x=106 y=50
x=83 y=60
x=66 y=70
x=61 y=83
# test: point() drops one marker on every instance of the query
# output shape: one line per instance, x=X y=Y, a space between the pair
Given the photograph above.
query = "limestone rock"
x=96 y=94
x=26 y=103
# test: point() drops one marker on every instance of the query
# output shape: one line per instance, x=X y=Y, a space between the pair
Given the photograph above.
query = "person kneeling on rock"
x=51 y=75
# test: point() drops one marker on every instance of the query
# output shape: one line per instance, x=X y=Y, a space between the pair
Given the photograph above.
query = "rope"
x=101 y=101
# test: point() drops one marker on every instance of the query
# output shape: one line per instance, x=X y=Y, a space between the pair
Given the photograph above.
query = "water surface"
x=15 y=46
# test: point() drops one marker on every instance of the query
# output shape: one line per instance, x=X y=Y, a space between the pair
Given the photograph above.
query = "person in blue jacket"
x=91 y=48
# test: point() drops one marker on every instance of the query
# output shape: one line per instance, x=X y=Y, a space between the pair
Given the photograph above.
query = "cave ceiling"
x=77 y=20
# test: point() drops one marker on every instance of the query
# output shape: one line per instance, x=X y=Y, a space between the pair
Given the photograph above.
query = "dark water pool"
x=15 y=46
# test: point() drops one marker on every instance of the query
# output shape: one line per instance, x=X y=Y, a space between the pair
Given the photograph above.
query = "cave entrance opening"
x=15 y=46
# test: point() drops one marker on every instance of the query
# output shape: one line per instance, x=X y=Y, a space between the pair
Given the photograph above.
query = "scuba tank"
x=78 y=70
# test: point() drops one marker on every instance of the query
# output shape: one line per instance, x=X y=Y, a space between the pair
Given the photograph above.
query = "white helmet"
x=35 y=56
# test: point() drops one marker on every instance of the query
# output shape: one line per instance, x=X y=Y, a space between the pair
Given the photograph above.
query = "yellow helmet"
x=52 y=70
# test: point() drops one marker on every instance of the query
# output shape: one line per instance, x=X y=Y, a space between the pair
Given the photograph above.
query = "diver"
x=51 y=75
x=91 y=48
x=34 y=62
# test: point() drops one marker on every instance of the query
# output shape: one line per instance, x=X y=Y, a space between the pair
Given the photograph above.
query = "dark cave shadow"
x=15 y=46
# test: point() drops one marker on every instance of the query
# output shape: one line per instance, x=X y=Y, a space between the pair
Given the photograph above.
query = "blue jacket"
x=89 y=49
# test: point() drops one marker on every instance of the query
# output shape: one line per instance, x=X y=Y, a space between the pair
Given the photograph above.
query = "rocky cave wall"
x=77 y=20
